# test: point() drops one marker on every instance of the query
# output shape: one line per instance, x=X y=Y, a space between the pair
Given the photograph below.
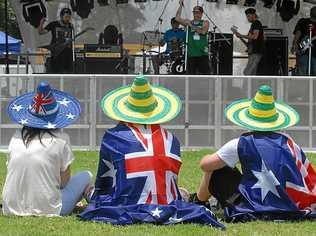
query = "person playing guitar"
x=62 y=31
x=255 y=43
x=301 y=44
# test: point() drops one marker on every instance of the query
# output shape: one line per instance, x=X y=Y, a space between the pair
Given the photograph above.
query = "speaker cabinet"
x=106 y=65
x=221 y=53
x=275 y=57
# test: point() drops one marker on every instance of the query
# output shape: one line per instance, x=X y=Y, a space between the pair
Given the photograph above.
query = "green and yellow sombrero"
x=141 y=103
x=262 y=113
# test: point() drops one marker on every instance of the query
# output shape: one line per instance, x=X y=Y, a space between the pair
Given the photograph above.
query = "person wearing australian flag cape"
x=139 y=162
x=277 y=181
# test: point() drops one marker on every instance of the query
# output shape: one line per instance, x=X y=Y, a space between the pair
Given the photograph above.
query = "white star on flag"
x=64 y=102
x=17 y=107
x=50 y=126
x=156 y=212
x=23 y=121
x=111 y=172
x=70 y=116
x=266 y=182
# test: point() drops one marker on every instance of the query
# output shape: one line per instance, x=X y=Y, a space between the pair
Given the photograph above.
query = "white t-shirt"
x=229 y=152
x=32 y=185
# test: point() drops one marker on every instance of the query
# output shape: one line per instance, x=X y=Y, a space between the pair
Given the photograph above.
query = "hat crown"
x=43 y=102
x=262 y=107
x=141 y=98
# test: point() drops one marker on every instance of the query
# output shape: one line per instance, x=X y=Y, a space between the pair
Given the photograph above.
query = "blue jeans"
x=73 y=191
x=302 y=65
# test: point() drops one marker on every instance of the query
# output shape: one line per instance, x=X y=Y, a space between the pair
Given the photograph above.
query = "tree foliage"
x=13 y=27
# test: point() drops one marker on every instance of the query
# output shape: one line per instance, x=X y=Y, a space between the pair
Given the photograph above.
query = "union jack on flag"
x=44 y=104
x=137 y=180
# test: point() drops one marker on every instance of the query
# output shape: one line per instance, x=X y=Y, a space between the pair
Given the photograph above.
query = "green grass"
x=189 y=177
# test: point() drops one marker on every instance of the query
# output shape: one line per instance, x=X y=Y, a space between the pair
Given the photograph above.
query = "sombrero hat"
x=141 y=103
x=46 y=108
x=262 y=113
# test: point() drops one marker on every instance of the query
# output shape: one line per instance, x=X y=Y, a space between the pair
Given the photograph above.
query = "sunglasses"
x=196 y=12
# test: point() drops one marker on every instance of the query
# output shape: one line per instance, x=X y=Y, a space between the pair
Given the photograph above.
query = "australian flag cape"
x=278 y=182
x=136 y=180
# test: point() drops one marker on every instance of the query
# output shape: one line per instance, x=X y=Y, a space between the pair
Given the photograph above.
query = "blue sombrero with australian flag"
x=46 y=108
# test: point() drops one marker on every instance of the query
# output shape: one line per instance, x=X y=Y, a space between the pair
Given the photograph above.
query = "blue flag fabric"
x=137 y=180
x=278 y=180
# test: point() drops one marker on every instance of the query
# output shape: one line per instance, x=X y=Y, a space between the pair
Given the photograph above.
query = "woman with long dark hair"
x=39 y=180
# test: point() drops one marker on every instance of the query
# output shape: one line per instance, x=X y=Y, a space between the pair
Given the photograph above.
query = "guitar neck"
x=244 y=41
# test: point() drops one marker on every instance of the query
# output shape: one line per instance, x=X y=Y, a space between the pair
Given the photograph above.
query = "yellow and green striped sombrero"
x=262 y=113
x=141 y=103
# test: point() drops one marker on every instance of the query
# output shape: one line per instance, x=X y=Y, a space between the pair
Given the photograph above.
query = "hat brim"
x=237 y=112
x=168 y=106
x=68 y=112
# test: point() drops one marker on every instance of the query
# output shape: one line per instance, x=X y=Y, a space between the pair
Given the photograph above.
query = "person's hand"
x=238 y=35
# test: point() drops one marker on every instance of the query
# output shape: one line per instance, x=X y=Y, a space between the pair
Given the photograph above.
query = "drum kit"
x=169 y=62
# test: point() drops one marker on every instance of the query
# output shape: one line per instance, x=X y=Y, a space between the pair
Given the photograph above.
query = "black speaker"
x=106 y=65
x=275 y=57
x=221 y=53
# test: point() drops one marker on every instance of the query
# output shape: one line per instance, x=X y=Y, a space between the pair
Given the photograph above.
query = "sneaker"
x=194 y=199
x=88 y=192
x=185 y=194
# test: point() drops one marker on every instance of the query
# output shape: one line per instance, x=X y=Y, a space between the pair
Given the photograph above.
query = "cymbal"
x=153 y=32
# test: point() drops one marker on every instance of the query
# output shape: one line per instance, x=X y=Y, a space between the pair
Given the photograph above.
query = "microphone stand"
x=73 y=49
x=159 y=38
x=310 y=50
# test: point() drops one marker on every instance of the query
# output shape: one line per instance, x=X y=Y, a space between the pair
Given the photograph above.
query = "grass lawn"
x=189 y=177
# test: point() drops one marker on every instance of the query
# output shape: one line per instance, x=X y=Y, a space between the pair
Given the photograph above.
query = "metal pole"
x=310 y=50
x=7 y=71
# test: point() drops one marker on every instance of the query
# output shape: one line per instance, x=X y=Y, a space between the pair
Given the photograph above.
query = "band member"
x=301 y=37
x=197 y=47
x=60 y=46
x=174 y=38
x=255 y=42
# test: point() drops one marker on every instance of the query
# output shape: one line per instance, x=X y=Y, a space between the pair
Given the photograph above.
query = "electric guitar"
x=234 y=29
x=58 y=47
x=304 y=45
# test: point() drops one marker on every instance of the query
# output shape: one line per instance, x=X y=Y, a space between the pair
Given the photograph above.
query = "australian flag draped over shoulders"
x=278 y=180
x=137 y=180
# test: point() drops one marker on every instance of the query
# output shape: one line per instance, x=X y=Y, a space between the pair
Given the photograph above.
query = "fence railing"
x=201 y=122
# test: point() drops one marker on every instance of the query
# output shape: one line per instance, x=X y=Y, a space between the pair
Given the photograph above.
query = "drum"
x=178 y=67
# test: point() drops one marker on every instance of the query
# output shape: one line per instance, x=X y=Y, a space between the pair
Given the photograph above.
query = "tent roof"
x=14 y=44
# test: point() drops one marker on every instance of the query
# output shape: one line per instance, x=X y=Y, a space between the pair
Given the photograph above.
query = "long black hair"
x=29 y=133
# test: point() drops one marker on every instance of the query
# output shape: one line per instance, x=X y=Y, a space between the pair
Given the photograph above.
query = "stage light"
x=234 y=2
x=212 y=0
x=103 y=2
x=121 y=1
x=250 y=3
x=140 y=0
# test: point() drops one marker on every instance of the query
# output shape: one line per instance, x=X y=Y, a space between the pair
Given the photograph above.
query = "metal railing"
x=200 y=124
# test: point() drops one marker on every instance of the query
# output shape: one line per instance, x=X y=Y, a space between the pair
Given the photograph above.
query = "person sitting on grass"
x=38 y=180
x=140 y=161
x=277 y=180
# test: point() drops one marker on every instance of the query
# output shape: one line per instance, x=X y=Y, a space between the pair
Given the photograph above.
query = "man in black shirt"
x=60 y=46
x=301 y=37
x=255 y=42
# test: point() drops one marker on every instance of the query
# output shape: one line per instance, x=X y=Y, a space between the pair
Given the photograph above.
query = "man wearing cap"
x=255 y=45
x=277 y=181
x=61 y=60
x=197 y=34
x=140 y=161
x=301 y=36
